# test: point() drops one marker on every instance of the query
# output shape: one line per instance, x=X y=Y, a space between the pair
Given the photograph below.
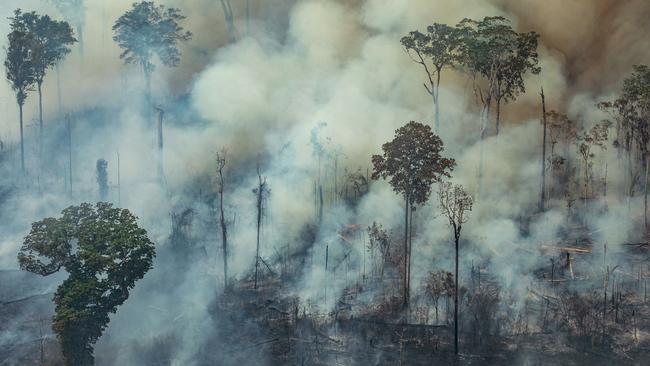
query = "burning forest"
x=324 y=182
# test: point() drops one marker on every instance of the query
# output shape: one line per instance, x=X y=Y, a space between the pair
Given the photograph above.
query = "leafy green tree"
x=52 y=40
x=631 y=114
x=19 y=68
x=411 y=162
x=105 y=252
x=149 y=30
x=496 y=58
x=510 y=77
x=435 y=50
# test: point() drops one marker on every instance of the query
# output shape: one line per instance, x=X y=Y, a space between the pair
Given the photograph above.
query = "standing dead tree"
x=455 y=203
x=221 y=164
x=261 y=193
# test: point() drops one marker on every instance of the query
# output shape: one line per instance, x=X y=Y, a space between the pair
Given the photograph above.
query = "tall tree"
x=261 y=193
x=496 y=58
x=52 y=40
x=149 y=30
x=631 y=112
x=19 y=67
x=104 y=252
x=221 y=165
x=435 y=50
x=411 y=162
x=510 y=76
x=455 y=203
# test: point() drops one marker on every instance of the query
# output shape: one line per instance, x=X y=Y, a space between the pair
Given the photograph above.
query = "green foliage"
x=19 y=63
x=493 y=50
x=412 y=161
x=51 y=40
x=149 y=30
x=440 y=46
x=105 y=252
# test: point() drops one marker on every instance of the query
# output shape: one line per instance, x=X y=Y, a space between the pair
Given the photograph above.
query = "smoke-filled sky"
x=305 y=68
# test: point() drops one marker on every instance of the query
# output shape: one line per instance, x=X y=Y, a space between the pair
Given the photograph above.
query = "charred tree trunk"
x=456 y=289
x=543 y=175
x=260 y=197
x=405 y=299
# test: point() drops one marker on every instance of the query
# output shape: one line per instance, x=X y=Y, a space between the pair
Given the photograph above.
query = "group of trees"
x=494 y=56
x=412 y=163
x=36 y=43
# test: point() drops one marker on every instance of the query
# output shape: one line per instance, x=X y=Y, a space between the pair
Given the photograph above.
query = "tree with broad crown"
x=434 y=50
x=411 y=162
x=105 y=252
x=149 y=30
x=51 y=43
x=19 y=67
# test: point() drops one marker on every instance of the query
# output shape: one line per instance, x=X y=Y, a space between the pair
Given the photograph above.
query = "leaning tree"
x=411 y=162
x=455 y=204
x=51 y=43
x=19 y=67
x=104 y=252
x=149 y=30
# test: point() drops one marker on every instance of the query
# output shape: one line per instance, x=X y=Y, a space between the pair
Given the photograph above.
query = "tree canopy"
x=412 y=162
x=149 y=30
x=51 y=40
x=105 y=252
x=19 y=63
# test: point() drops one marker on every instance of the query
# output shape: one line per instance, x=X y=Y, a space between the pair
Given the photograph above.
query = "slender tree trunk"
x=70 y=152
x=260 y=187
x=410 y=247
x=58 y=88
x=22 y=139
x=457 y=239
x=119 y=183
x=543 y=197
x=436 y=101
x=645 y=194
x=161 y=171
x=498 y=117
x=40 y=124
x=406 y=245
x=224 y=237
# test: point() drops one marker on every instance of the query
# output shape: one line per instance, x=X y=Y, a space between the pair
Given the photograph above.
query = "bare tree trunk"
x=406 y=245
x=22 y=139
x=119 y=183
x=260 y=193
x=645 y=194
x=230 y=21
x=224 y=242
x=498 y=117
x=543 y=198
x=436 y=101
x=456 y=290
x=70 y=152
x=40 y=124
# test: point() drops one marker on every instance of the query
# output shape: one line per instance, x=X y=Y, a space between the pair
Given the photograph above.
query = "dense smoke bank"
x=302 y=94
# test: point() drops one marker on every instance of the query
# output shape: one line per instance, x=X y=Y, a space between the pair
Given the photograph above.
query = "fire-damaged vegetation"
x=331 y=214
